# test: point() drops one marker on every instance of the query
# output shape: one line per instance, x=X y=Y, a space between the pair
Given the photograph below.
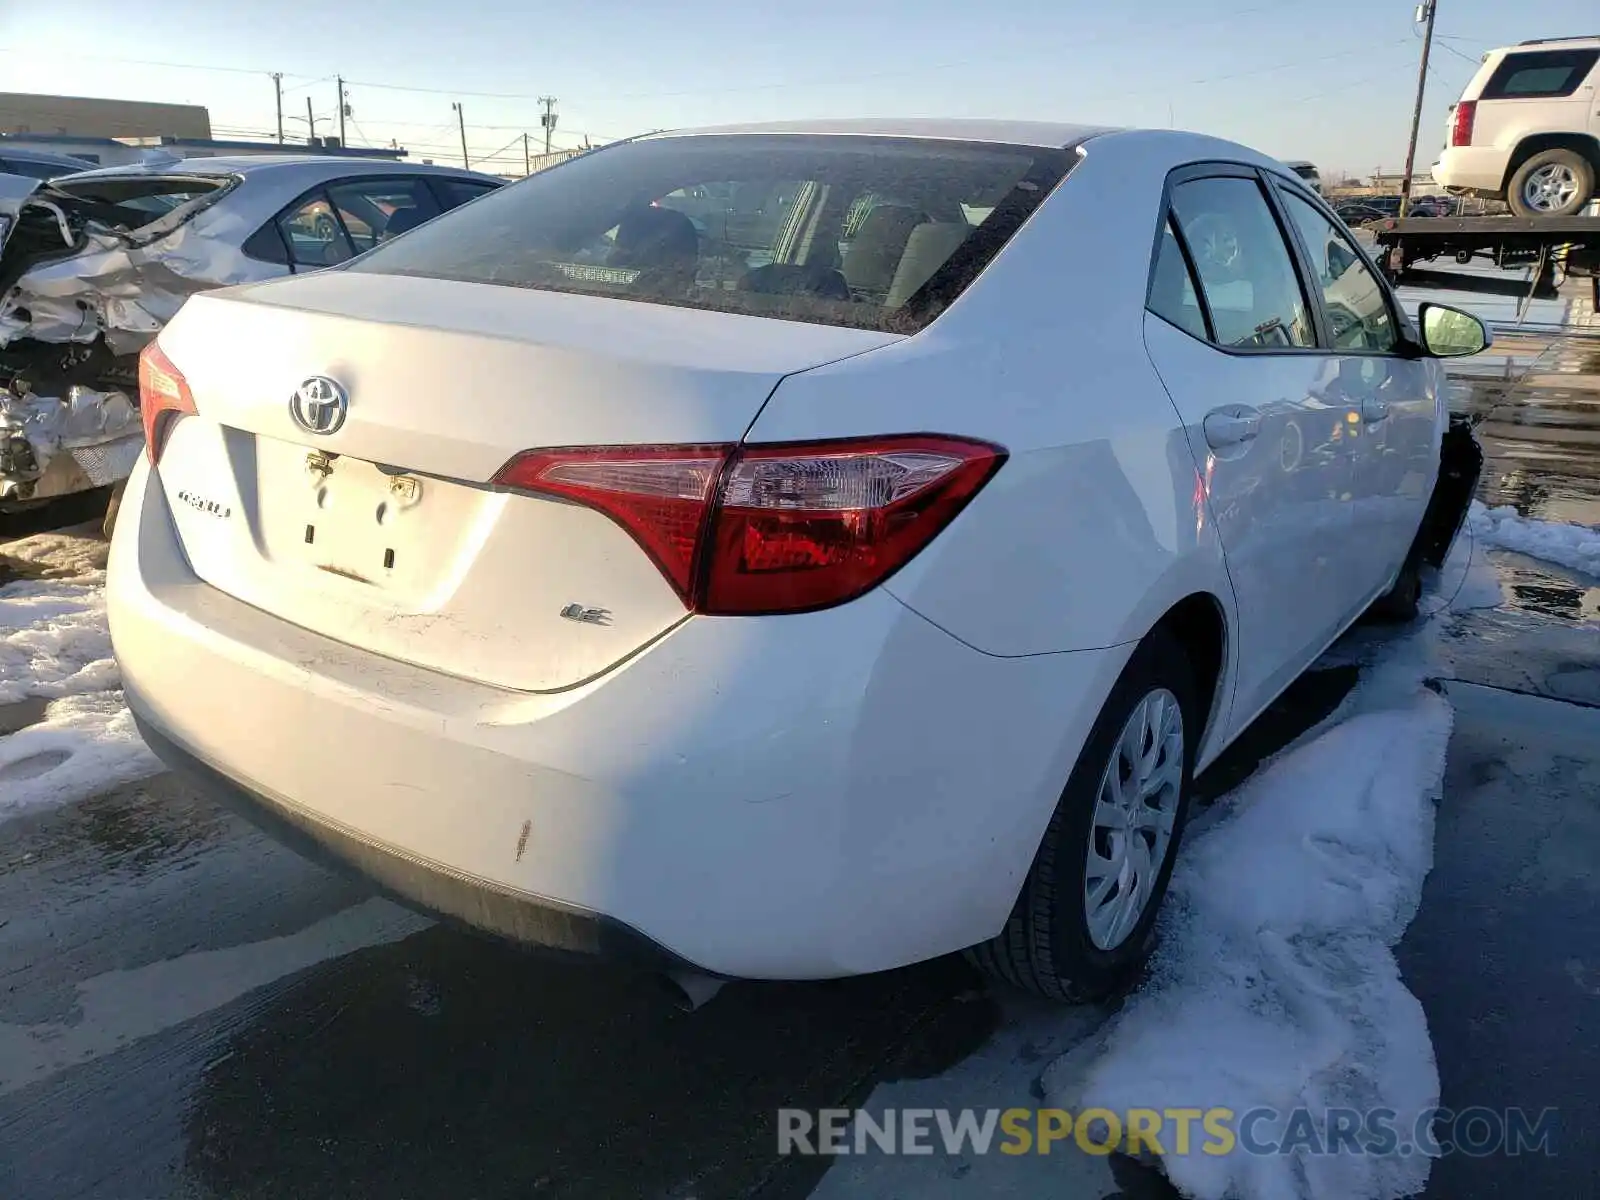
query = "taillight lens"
x=658 y=494
x=777 y=528
x=164 y=396
x=1461 y=123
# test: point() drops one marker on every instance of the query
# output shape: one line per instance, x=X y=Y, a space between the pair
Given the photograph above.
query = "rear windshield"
x=877 y=233
x=134 y=201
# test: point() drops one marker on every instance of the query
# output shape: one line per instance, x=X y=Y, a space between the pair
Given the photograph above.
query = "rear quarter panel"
x=1092 y=529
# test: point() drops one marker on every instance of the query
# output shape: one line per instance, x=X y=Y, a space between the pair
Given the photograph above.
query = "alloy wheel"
x=1550 y=188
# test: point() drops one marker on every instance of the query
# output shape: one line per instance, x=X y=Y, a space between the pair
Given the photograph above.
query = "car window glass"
x=1546 y=73
x=845 y=230
x=455 y=192
x=1172 y=293
x=1244 y=264
x=1354 y=298
x=313 y=234
x=376 y=209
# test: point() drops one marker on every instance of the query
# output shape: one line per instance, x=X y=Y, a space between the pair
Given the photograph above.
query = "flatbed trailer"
x=1568 y=245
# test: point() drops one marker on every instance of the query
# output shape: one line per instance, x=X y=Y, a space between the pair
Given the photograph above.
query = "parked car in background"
x=35 y=164
x=98 y=261
x=678 y=555
x=1527 y=128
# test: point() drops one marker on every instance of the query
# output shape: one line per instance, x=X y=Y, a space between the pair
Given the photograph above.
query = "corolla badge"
x=319 y=405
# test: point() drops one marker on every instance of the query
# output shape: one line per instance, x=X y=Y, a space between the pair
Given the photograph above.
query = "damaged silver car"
x=93 y=264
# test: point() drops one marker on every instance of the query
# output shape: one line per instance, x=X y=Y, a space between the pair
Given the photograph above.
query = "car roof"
x=1014 y=133
x=256 y=164
x=1580 y=42
x=42 y=156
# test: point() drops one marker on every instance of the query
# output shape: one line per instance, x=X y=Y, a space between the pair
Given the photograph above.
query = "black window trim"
x=1189 y=172
x=1277 y=187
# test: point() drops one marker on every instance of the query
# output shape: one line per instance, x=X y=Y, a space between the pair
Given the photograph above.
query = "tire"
x=112 y=507
x=1047 y=945
x=1564 y=178
x=1400 y=603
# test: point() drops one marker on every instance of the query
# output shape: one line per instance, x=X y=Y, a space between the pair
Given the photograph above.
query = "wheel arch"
x=1199 y=623
x=1537 y=143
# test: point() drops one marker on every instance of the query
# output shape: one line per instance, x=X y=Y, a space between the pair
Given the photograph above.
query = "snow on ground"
x=54 y=645
x=1574 y=546
x=1275 y=985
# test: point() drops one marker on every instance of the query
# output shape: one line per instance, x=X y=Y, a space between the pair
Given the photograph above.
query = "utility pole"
x=527 y=160
x=311 y=125
x=461 y=120
x=1425 y=12
x=344 y=108
x=277 y=90
x=548 y=120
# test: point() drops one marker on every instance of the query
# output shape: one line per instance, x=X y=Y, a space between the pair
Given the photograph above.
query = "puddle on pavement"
x=1541 y=441
x=525 y=1075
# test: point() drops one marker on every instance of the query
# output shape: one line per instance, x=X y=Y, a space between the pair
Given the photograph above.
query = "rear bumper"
x=1472 y=168
x=795 y=797
x=431 y=887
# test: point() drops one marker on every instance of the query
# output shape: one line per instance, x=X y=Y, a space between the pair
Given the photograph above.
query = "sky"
x=1329 y=82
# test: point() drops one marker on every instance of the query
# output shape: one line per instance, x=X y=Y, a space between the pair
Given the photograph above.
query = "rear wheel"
x=1553 y=183
x=1082 y=926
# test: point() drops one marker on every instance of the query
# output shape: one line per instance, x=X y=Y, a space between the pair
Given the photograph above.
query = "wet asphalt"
x=188 y=1010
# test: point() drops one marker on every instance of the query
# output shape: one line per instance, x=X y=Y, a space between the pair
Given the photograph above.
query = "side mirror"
x=1450 y=333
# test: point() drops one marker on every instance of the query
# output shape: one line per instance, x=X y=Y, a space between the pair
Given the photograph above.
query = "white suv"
x=1527 y=128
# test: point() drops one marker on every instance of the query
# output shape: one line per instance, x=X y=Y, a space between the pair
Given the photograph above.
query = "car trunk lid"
x=386 y=531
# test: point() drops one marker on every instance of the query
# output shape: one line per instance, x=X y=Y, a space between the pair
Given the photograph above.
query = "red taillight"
x=163 y=397
x=1461 y=122
x=771 y=529
x=658 y=494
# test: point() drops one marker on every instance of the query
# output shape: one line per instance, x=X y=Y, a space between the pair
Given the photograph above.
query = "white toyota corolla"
x=783 y=552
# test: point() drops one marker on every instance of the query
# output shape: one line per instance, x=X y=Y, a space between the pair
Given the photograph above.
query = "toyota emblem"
x=319 y=405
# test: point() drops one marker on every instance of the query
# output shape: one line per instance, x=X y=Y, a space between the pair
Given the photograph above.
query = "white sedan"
x=786 y=551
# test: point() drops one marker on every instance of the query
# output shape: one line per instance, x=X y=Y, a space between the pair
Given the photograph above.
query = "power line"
x=145 y=62
x=1452 y=50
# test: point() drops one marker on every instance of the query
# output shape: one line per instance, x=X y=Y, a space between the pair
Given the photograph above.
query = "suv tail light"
x=164 y=396
x=771 y=529
x=1461 y=122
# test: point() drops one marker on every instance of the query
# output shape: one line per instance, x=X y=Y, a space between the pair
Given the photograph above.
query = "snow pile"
x=54 y=645
x=1574 y=546
x=1275 y=985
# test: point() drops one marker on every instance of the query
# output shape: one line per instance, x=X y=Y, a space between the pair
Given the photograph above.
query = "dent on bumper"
x=802 y=797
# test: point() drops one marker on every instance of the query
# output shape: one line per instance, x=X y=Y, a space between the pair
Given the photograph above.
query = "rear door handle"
x=1374 y=410
x=1231 y=426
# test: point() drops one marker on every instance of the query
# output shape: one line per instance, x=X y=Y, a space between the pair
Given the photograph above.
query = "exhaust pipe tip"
x=689 y=990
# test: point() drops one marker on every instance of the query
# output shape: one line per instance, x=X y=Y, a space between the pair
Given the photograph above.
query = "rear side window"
x=1545 y=73
x=313 y=233
x=1173 y=297
x=1247 y=275
x=876 y=233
